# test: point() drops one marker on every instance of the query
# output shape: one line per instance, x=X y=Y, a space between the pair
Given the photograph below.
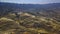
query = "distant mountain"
x=29 y=6
x=36 y=9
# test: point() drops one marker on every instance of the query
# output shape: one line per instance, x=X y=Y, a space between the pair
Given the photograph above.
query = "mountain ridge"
x=52 y=5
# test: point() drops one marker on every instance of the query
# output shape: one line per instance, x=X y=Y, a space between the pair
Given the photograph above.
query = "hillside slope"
x=29 y=18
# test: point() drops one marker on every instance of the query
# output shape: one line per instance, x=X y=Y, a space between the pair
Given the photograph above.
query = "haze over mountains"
x=29 y=6
x=48 y=9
